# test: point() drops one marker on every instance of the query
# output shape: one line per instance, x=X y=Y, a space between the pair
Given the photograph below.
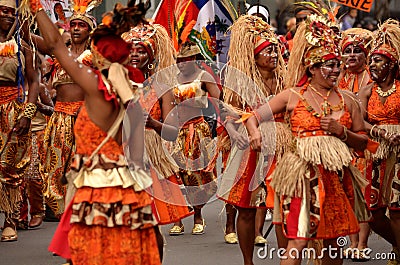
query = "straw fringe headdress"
x=387 y=40
x=248 y=35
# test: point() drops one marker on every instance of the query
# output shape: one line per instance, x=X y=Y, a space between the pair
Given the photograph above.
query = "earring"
x=150 y=66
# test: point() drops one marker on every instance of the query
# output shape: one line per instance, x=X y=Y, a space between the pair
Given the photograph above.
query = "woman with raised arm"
x=59 y=142
x=255 y=52
x=315 y=182
x=355 y=45
x=111 y=217
x=153 y=53
x=16 y=113
x=381 y=106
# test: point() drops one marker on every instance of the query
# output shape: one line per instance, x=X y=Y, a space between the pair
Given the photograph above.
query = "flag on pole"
x=204 y=22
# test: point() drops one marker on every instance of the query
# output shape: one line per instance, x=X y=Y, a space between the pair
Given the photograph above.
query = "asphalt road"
x=207 y=249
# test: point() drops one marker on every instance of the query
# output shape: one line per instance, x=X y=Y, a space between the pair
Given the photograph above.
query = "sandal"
x=231 y=238
x=9 y=235
x=176 y=230
x=348 y=253
x=359 y=255
x=198 y=229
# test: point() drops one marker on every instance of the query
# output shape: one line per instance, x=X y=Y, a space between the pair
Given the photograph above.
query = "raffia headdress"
x=357 y=37
x=316 y=41
x=250 y=35
x=387 y=40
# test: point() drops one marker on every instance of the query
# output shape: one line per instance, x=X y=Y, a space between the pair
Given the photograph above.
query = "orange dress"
x=316 y=203
x=110 y=224
x=383 y=168
x=170 y=204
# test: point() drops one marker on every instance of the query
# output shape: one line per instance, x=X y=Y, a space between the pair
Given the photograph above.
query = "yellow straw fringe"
x=328 y=151
x=160 y=159
x=290 y=175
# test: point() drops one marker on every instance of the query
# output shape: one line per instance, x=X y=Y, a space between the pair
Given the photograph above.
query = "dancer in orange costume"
x=152 y=52
x=316 y=181
x=356 y=45
x=244 y=183
x=111 y=217
x=381 y=104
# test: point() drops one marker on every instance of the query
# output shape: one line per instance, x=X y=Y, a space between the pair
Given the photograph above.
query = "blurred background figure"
x=349 y=19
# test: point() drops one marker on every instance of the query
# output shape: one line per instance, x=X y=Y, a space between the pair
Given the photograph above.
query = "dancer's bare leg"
x=380 y=224
x=245 y=229
x=280 y=236
x=294 y=246
x=230 y=226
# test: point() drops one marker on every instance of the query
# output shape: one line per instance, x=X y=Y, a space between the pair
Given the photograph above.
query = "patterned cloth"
x=32 y=188
x=14 y=155
x=59 y=149
x=195 y=156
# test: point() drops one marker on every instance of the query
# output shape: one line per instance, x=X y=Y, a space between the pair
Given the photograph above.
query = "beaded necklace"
x=385 y=94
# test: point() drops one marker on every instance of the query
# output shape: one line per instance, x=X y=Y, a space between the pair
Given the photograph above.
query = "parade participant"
x=356 y=44
x=315 y=182
x=16 y=114
x=252 y=43
x=153 y=51
x=33 y=180
x=59 y=143
x=193 y=150
x=381 y=103
x=123 y=232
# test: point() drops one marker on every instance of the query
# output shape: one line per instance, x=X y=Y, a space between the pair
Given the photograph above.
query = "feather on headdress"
x=81 y=9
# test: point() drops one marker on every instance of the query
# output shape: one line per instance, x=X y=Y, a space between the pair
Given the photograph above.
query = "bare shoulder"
x=365 y=92
x=350 y=99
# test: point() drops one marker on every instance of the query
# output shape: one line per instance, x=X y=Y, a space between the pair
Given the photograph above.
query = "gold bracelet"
x=29 y=110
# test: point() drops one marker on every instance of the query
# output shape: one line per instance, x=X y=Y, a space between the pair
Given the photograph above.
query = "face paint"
x=380 y=67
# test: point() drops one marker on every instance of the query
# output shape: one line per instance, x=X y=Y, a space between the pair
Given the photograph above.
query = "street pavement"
x=207 y=249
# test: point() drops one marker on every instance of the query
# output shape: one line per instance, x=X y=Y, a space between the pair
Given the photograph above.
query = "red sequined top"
x=384 y=113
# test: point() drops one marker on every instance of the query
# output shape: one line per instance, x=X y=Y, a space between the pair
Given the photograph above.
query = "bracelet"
x=387 y=135
x=258 y=117
x=29 y=110
x=343 y=137
x=371 y=132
